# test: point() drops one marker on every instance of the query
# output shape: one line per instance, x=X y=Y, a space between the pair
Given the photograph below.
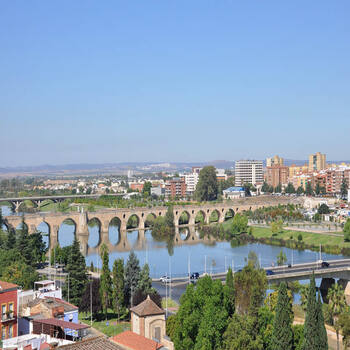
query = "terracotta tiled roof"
x=96 y=343
x=147 y=308
x=136 y=342
x=62 y=324
x=6 y=285
x=67 y=306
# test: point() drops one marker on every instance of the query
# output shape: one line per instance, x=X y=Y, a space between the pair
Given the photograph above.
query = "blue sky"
x=193 y=80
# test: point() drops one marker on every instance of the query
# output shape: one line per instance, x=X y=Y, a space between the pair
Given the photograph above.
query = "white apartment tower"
x=248 y=171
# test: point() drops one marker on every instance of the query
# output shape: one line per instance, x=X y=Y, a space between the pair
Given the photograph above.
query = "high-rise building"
x=276 y=160
x=317 y=162
x=191 y=181
x=277 y=175
x=175 y=188
x=248 y=171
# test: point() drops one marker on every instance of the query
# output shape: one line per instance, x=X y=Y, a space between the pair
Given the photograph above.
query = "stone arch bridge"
x=104 y=218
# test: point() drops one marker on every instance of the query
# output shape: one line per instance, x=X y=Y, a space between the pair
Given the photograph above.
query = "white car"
x=165 y=279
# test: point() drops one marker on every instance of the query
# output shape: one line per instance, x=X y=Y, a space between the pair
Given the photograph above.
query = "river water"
x=193 y=257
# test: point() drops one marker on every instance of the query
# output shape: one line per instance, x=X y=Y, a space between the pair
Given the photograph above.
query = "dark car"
x=269 y=272
x=325 y=264
x=195 y=276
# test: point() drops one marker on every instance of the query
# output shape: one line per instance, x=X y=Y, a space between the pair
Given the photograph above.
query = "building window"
x=157 y=334
x=10 y=331
x=11 y=314
x=3 y=311
x=3 y=333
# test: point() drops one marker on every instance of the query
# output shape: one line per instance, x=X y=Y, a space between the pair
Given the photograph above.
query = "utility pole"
x=91 y=300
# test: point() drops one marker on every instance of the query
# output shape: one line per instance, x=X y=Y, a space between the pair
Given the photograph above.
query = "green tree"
x=11 y=239
x=91 y=299
x=239 y=223
x=282 y=336
x=311 y=331
x=132 y=277
x=300 y=190
x=277 y=226
x=37 y=247
x=344 y=188
x=229 y=293
x=322 y=336
x=250 y=283
x=77 y=277
x=22 y=243
x=290 y=188
x=344 y=322
x=317 y=189
x=308 y=190
x=323 y=209
x=265 y=187
x=207 y=186
x=278 y=188
x=19 y=272
x=169 y=217
x=118 y=287
x=146 y=190
x=145 y=281
x=281 y=258
x=346 y=231
x=105 y=280
x=336 y=305
x=238 y=334
x=202 y=318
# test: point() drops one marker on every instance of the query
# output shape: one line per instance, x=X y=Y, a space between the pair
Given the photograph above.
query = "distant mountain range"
x=121 y=168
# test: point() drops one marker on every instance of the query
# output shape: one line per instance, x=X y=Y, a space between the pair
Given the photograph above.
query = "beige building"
x=276 y=160
x=277 y=175
x=317 y=162
x=148 y=329
x=295 y=170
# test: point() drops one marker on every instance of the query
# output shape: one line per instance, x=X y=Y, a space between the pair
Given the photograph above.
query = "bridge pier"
x=53 y=237
x=83 y=240
x=325 y=285
x=346 y=285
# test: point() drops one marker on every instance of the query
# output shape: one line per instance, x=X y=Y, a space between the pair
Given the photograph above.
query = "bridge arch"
x=149 y=219
x=214 y=216
x=133 y=222
x=200 y=217
x=229 y=214
x=45 y=230
x=114 y=230
x=184 y=218
x=46 y=204
x=66 y=232
x=94 y=228
x=184 y=233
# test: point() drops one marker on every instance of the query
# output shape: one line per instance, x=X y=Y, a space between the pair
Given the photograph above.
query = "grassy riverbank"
x=308 y=237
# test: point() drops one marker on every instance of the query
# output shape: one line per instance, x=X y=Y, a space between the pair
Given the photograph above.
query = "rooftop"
x=6 y=286
x=147 y=308
x=134 y=341
x=62 y=324
x=96 y=343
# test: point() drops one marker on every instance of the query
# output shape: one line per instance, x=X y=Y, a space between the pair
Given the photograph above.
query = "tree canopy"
x=207 y=186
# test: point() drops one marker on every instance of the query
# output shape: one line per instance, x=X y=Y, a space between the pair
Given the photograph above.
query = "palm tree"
x=337 y=305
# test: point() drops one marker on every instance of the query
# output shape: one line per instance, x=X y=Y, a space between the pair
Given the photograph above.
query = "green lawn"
x=110 y=327
x=308 y=237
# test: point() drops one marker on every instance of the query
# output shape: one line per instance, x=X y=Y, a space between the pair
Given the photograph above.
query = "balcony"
x=8 y=317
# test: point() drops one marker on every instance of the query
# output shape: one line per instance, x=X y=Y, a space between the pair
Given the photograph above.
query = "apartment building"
x=295 y=170
x=317 y=162
x=191 y=181
x=175 y=188
x=276 y=160
x=8 y=302
x=277 y=175
x=248 y=171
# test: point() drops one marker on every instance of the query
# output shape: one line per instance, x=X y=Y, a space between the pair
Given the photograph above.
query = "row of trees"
x=118 y=290
x=19 y=255
x=234 y=316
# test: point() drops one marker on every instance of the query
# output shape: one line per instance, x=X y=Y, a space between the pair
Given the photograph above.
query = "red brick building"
x=8 y=303
x=277 y=175
x=136 y=186
x=175 y=188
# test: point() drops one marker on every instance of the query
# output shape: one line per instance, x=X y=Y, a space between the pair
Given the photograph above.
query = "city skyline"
x=102 y=83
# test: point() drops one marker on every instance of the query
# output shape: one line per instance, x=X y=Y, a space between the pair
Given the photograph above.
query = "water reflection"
x=44 y=229
x=66 y=233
